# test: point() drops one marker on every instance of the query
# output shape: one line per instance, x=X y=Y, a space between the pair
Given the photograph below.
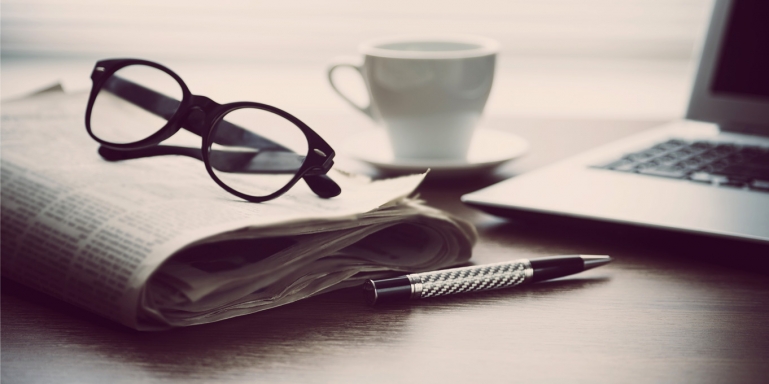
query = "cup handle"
x=359 y=68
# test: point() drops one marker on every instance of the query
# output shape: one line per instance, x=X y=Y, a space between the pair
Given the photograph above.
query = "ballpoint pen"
x=478 y=278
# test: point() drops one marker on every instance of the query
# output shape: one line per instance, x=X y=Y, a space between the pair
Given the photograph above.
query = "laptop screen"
x=743 y=64
x=732 y=84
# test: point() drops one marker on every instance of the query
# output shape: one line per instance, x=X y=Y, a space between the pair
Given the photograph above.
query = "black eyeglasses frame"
x=199 y=115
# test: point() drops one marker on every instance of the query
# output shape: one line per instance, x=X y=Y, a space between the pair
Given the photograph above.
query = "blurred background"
x=563 y=58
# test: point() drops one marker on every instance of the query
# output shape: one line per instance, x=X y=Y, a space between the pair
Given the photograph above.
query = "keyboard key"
x=762 y=158
x=702 y=145
x=670 y=144
x=710 y=155
x=745 y=171
x=725 y=148
x=752 y=152
x=718 y=165
x=702 y=177
x=627 y=167
x=676 y=172
x=759 y=185
x=623 y=165
x=694 y=163
x=639 y=156
x=668 y=159
x=732 y=183
x=647 y=165
x=684 y=152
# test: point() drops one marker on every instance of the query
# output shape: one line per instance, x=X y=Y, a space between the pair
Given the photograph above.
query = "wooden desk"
x=660 y=313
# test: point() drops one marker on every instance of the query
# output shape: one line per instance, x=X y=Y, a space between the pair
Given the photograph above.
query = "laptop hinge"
x=745 y=129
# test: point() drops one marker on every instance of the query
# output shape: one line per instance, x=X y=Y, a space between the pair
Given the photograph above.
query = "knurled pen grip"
x=477 y=278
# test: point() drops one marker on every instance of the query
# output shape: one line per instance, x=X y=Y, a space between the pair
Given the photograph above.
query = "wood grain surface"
x=669 y=309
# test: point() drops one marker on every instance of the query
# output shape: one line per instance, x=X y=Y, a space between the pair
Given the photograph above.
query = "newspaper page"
x=94 y=233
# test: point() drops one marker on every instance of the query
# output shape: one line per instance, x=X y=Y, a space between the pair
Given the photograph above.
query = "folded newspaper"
x=155 y=243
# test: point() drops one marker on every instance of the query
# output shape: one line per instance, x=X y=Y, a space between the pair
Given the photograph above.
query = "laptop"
x=707 y=174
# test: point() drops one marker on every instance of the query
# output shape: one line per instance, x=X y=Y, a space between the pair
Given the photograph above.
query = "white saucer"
x=488 y=149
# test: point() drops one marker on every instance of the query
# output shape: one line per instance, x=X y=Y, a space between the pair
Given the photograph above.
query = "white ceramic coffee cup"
x=427 y=91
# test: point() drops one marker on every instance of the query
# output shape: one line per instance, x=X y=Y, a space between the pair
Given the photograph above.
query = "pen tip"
x=593 y=261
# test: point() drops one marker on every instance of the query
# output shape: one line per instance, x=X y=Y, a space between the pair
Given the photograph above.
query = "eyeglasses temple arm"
x=163 y=106
x=322 y=185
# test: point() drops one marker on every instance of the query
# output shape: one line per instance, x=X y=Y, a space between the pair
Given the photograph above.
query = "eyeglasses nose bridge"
x=196 y=118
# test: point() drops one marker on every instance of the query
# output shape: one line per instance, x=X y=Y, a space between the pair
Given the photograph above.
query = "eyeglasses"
x=254 y=151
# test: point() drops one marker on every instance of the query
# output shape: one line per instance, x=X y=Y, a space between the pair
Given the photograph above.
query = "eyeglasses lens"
x=117 y=116
x=256 y=152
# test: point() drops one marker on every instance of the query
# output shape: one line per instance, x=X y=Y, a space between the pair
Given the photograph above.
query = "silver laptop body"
x=729 y=108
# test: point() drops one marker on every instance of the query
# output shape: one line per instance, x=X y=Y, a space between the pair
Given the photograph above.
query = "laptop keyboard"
x=717 y=164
